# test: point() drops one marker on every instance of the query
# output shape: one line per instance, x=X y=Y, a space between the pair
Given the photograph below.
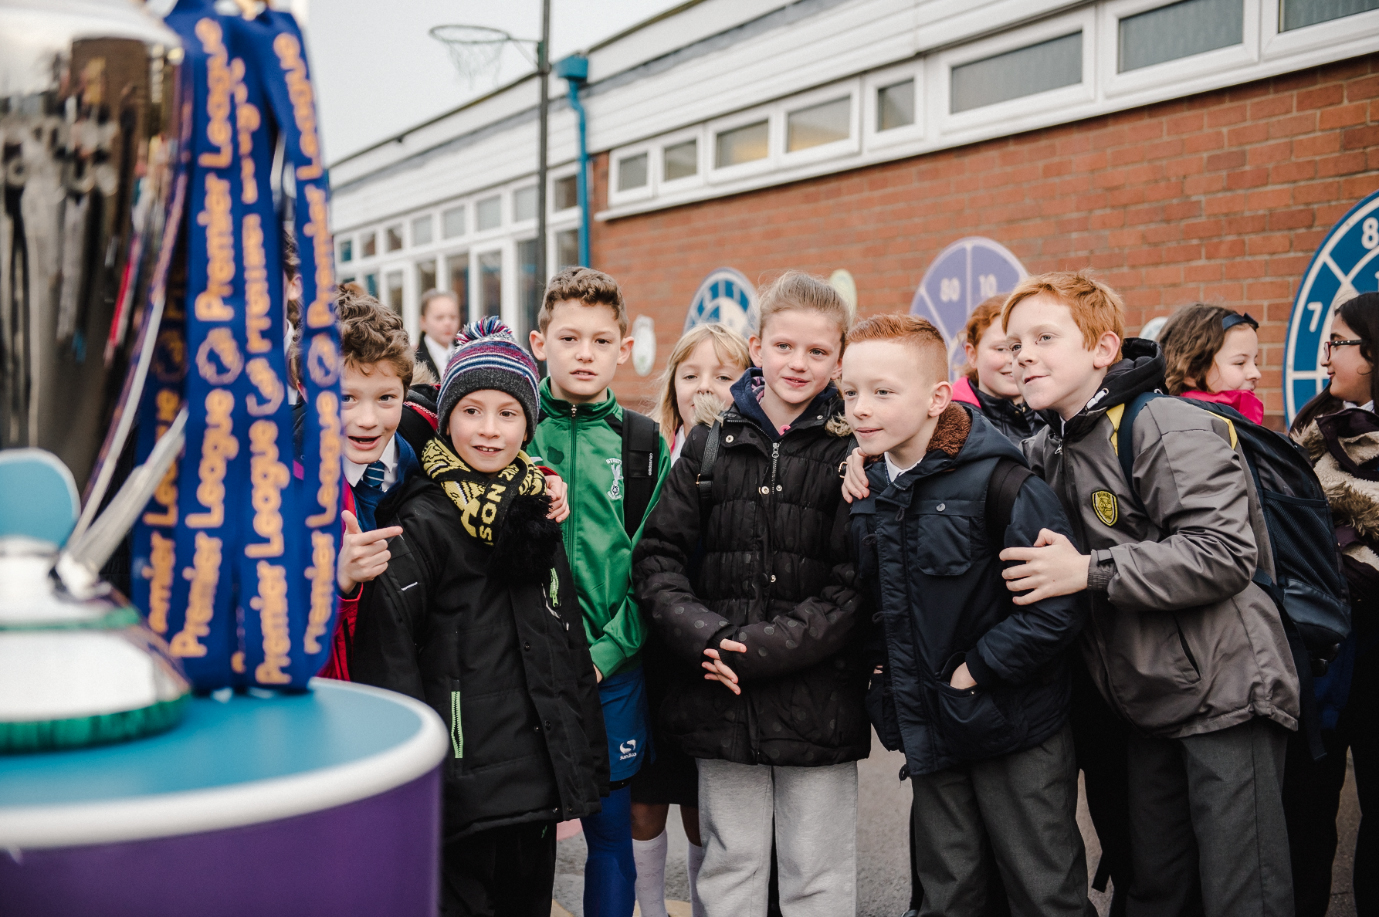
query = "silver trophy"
x=88 y=131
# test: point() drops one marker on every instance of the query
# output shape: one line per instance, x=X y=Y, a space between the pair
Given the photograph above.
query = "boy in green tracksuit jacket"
x=583 y=338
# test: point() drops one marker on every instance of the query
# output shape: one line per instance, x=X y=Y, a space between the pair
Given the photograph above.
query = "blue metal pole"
x=575 y=71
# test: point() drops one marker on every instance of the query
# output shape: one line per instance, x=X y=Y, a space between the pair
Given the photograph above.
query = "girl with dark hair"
x=1340 y=432
x=1211 y=354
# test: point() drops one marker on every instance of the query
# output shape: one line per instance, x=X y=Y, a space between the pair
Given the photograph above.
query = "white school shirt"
x=894 y=471
x=441 y=355
x=354 y=471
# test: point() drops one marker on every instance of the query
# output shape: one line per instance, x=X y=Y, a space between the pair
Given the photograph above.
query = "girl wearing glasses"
x=1340 y=432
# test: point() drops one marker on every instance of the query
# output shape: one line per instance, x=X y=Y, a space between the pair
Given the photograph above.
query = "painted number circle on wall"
x=725 y=296
x=965 y=273
x=1343 y=267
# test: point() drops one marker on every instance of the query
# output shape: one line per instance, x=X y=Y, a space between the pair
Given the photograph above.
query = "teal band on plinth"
x=46 y=735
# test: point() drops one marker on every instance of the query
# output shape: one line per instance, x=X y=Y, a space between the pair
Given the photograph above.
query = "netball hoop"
x=477 y=51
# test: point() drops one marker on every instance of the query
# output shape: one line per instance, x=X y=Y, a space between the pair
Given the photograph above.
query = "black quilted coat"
x=765 y=562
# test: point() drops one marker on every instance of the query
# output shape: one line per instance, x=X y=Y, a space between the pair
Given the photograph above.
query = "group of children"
x=819 y=535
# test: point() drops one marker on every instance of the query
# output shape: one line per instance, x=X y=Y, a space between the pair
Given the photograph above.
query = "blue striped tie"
x=373 y=475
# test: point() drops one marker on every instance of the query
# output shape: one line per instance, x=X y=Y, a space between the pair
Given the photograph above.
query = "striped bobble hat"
x=487 y=356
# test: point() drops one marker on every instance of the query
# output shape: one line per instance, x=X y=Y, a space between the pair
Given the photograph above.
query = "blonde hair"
x=1096 y=308
x=931 y=351
x=798 y=290
x=727 y=344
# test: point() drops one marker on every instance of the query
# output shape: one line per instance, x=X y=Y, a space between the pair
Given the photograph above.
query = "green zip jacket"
x=577 y=441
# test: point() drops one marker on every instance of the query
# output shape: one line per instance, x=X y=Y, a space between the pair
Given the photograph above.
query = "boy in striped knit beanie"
x=477 y=616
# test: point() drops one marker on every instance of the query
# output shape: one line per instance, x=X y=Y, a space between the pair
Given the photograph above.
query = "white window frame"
x=1322 y=35
x=646 y=191
x=1025 y=109
x=872 y=84
x=848 y=146
x=555 y=175
x=504 y=211
x=463 y=203
x=669 y=186
x=775 y=142
x=340 y=240
x=1175 y=71
x=401 y=227
x=377 y=253
x=443 y=257
x=507 y=291
x=514 y=223
x=412 y=218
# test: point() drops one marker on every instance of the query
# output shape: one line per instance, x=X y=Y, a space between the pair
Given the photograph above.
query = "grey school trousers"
x=1025 y=804
x=814 y=811
x=1209 y=808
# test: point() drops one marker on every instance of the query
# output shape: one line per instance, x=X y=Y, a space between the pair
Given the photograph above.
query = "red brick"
x=1247 y=178
x=1342 y=164
x=1359 y=138
x=1271 y=107
x=1343 y=116
x=1321 y=96
x=1367 y=88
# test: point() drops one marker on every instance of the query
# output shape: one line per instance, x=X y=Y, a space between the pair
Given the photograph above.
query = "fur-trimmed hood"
x=1344 y=448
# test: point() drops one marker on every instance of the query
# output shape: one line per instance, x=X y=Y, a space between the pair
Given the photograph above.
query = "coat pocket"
x=880 y=704
x=974 y=725
x=941 y=539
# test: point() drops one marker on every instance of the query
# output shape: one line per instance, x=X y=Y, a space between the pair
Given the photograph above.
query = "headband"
x=1238 y=318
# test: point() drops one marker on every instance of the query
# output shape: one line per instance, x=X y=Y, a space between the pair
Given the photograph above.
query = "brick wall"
x=1221 y=197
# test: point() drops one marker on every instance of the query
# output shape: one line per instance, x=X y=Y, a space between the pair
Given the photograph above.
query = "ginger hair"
x=918 y=334
x=1096 y=308
x=799 y=290
x=584 y=285
x=727 y=344
x=987 y=312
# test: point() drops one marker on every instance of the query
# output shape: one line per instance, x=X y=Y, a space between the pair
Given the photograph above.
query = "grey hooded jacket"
x=1179 y=640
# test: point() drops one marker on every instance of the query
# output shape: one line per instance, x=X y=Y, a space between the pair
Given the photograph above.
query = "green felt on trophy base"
x=115 y=619
x=83 y=731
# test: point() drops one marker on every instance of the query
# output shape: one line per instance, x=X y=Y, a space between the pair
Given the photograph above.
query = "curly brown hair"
x=1190 y=340
x=370 y=333
x=585 y=285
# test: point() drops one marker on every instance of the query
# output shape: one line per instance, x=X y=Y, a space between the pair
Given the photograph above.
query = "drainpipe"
x=575 y=71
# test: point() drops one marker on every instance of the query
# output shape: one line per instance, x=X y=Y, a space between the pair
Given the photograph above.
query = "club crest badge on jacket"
x=1105 y=506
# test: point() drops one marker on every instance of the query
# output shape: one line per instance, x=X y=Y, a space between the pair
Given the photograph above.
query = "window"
x=452 y=222
x=632 y=172
x=371 y=285
x=345 y=280
x=421 y=230
x=457 y=267
x=1015 y=74
x=524 y=203
x=742 y=144
x=426 y=276
x=369 y=246
x=566 y=192
x=346 y=250
x=393 y=280
x=827 y=122
x=680 y=160
x=491 y=283
x=1294 y=14
x=895 y=105
x=528 y=290
x=393 y=236
x=566 y=249
x=1179 y=30
x=488 y=213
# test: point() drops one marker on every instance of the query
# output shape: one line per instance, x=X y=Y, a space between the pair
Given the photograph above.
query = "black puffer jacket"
x=1016 y=422
x=925 y=555
x=769 y=567
x=492 y=639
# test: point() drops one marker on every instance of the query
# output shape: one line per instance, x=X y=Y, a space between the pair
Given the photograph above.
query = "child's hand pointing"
x=363 y=555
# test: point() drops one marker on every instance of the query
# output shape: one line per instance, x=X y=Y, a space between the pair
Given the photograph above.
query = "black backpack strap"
x=641 y=458
x=1001 y=492
x=704 y=480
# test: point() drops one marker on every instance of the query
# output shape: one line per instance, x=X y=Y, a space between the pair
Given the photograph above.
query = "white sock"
x=650 y=857
x=694 y=858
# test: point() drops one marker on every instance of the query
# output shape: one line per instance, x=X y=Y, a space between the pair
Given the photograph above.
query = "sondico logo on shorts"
x=1105 y=506
x=628 y=749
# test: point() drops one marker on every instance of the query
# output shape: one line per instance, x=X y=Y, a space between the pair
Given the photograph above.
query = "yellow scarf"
x=481 y=499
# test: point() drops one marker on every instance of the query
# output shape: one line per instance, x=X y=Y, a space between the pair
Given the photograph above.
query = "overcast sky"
x=378 y=72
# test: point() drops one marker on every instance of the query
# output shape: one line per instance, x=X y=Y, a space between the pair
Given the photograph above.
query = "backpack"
x=1308 y=586
x=641 y=458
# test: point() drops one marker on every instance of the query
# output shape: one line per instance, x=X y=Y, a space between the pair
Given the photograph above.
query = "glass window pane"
x=632 y=172
x=566 y=192
x=488 y=213
x=528 y=290
x=452 y=222
x=394 y=283
x=742 y=144
x=491 y=283
x=421 y=230
x=393 y=235
x=895 y=106
x=426 y=277
x=681 y=160
x=1015 y=74
x=566 y=249
x=346 y=250
x=457 y=267
x=369 y=244
x=524 y=203
x=371 y=285
x=1180 y=30
x=345 y=280
x=816 y=125
x=1294 y=14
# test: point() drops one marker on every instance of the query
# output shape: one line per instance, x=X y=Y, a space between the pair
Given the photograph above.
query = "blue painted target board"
x=726 y=296
x=964 y=274
x=1343 y=267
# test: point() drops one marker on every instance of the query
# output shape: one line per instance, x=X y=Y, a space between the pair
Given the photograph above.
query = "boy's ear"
x=538 y=345
x=940 y=399
x=625 y=350
x=1107 y=350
